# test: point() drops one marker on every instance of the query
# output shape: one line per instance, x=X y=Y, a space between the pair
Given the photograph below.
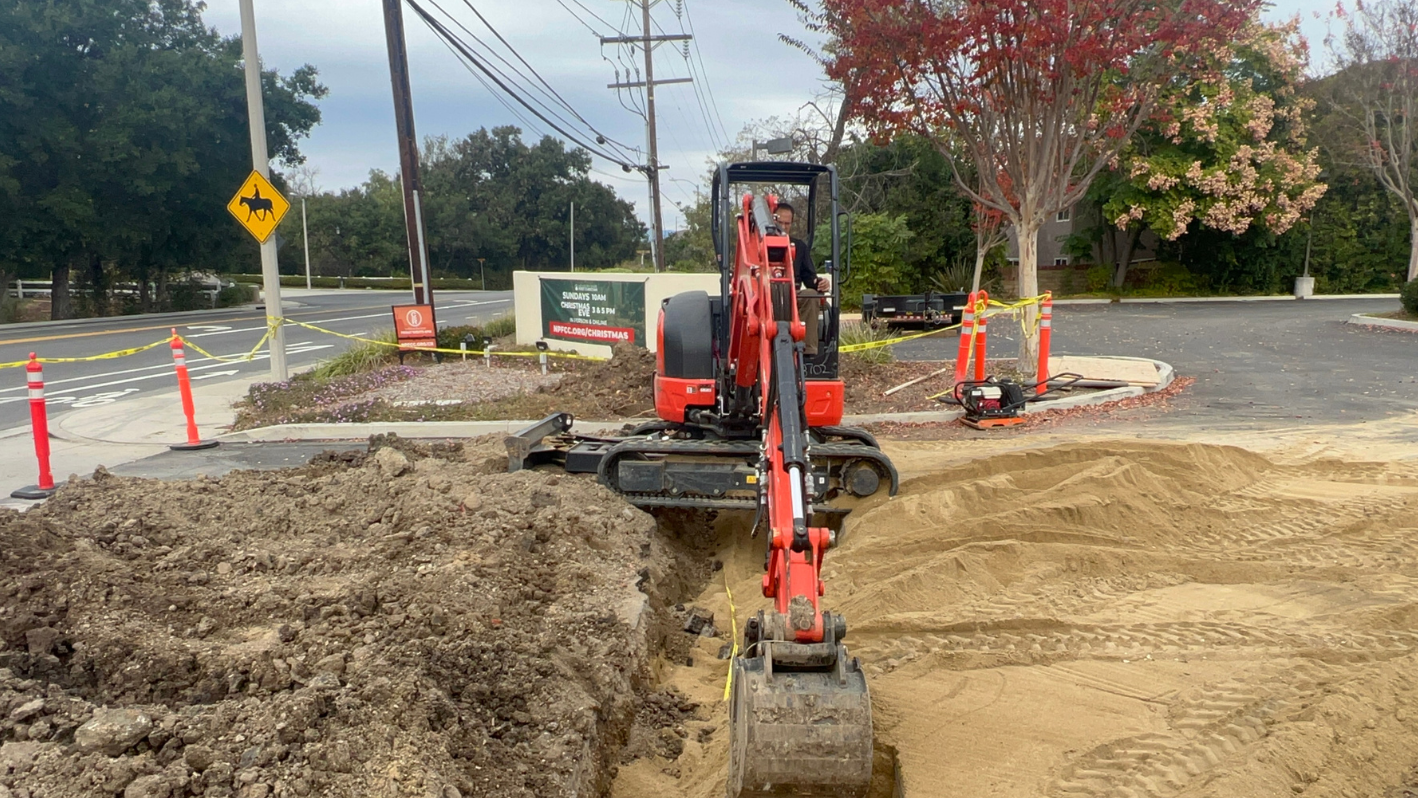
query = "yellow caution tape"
x=891 y=341
x=106 y=356
x=270 y=330
x=983 y=310
x=734 y=628
x=495 y=353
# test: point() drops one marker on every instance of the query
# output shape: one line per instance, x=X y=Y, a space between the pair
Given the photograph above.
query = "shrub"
x=860 y=333
x=1173 y=279
x=1100 y=278
x=236 y=294
x=501 y=327
x=1409 y=297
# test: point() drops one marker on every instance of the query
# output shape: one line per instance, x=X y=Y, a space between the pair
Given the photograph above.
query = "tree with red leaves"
x=1040 y=95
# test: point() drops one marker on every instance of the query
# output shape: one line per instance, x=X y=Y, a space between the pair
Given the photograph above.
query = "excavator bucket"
x=804 y=734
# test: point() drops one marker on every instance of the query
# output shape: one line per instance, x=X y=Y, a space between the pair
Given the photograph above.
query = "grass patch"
x=501 y=327
x=361 y=357
x=859 y=333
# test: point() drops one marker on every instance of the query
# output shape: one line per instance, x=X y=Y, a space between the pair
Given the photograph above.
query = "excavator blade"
x=804 y=734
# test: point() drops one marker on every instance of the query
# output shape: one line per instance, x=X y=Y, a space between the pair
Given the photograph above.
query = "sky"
x=751 y=75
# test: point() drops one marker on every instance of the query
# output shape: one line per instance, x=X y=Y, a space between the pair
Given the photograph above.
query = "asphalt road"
x=1254 y=362
x=225 y=333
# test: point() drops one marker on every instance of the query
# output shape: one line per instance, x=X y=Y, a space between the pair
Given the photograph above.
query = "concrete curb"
x=1373 y=321
x=1165 y=373
x=1100 y=398
x=1193 y=299
x=404 y=429
x=917 y=417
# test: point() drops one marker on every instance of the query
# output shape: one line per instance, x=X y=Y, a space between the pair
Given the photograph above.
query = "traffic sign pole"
x=260 y=161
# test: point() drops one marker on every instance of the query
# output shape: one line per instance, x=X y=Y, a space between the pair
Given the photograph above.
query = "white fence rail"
x=36 y=289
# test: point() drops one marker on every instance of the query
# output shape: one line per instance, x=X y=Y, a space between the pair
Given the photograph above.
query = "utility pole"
x=408 y=152
x=647 y=43
x=305 y=237
x=573 y=236
x=261 y=162
x=482 y=271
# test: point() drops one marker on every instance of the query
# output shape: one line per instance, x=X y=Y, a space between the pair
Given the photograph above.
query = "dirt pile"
x=1117 y=619
x=405 y=623
x=620 y=387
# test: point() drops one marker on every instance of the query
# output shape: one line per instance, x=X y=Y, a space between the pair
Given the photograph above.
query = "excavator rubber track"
x=719 y=475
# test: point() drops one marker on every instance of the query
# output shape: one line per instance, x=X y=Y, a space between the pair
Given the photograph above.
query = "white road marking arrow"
x=212 y=374
x=207 y=327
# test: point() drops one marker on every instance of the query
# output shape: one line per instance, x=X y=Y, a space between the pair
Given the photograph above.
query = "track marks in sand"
x=1133 y=619
x=1209 y=728
x=980 y=646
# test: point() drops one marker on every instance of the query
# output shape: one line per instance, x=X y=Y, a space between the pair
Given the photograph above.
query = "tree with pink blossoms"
x=1226 y=147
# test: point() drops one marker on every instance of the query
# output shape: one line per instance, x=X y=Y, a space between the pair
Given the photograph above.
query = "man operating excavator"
x=811 y=287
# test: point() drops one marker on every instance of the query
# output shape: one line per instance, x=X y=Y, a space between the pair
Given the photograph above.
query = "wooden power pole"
x=647 y=43
x=408 y=152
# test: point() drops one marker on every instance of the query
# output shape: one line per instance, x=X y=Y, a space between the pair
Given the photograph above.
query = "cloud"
x=751 y=75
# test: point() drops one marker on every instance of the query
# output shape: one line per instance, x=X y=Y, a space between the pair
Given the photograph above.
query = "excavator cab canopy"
x=820 y=185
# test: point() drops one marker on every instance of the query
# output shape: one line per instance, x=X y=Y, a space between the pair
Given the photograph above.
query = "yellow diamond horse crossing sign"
x=258 y=206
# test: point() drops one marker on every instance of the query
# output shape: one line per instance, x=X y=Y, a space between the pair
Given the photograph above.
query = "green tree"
x=877 y=260
x=692 y=249
x=488 y=196
x=122 y=135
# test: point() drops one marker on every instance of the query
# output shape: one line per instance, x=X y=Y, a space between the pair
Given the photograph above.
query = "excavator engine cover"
x=804 y=734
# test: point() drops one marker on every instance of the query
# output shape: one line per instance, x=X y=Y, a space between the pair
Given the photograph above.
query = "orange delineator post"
x=981 y=328
x=39 y=422
x=1046 y=324
x=967 y=339
x=184 y=386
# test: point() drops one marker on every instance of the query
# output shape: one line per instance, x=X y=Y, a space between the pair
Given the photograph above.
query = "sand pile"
x=1116 y=619
x=407 y=623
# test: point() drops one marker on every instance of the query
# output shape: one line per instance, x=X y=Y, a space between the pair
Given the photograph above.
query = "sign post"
x=260 y=162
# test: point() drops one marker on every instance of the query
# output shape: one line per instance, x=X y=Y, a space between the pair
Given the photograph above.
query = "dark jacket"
x=802 y=265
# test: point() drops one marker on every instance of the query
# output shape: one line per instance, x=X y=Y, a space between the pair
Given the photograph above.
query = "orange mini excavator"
x=748 y=421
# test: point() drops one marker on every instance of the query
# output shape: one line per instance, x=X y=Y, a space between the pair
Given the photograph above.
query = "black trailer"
x=927 y=311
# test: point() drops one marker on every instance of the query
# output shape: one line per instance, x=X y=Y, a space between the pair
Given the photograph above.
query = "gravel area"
x=467 y=382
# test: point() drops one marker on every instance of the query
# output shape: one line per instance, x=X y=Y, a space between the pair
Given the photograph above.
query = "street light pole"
x=305 y=237
x=483 y=272
x=573 y=236
x=260 y=161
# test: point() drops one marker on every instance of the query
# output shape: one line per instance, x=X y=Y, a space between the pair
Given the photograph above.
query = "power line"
x=704 y=74
x=520 y=79
x=462 y=48
x=539 y=77
x=583 y=22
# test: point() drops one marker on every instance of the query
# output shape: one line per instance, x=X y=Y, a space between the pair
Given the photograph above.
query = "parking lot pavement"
x=1255 y=363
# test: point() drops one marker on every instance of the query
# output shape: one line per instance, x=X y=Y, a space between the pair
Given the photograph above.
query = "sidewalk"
x=111 y=434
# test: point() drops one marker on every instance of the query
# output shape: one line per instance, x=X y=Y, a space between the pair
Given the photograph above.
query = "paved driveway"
x=1253 y=361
